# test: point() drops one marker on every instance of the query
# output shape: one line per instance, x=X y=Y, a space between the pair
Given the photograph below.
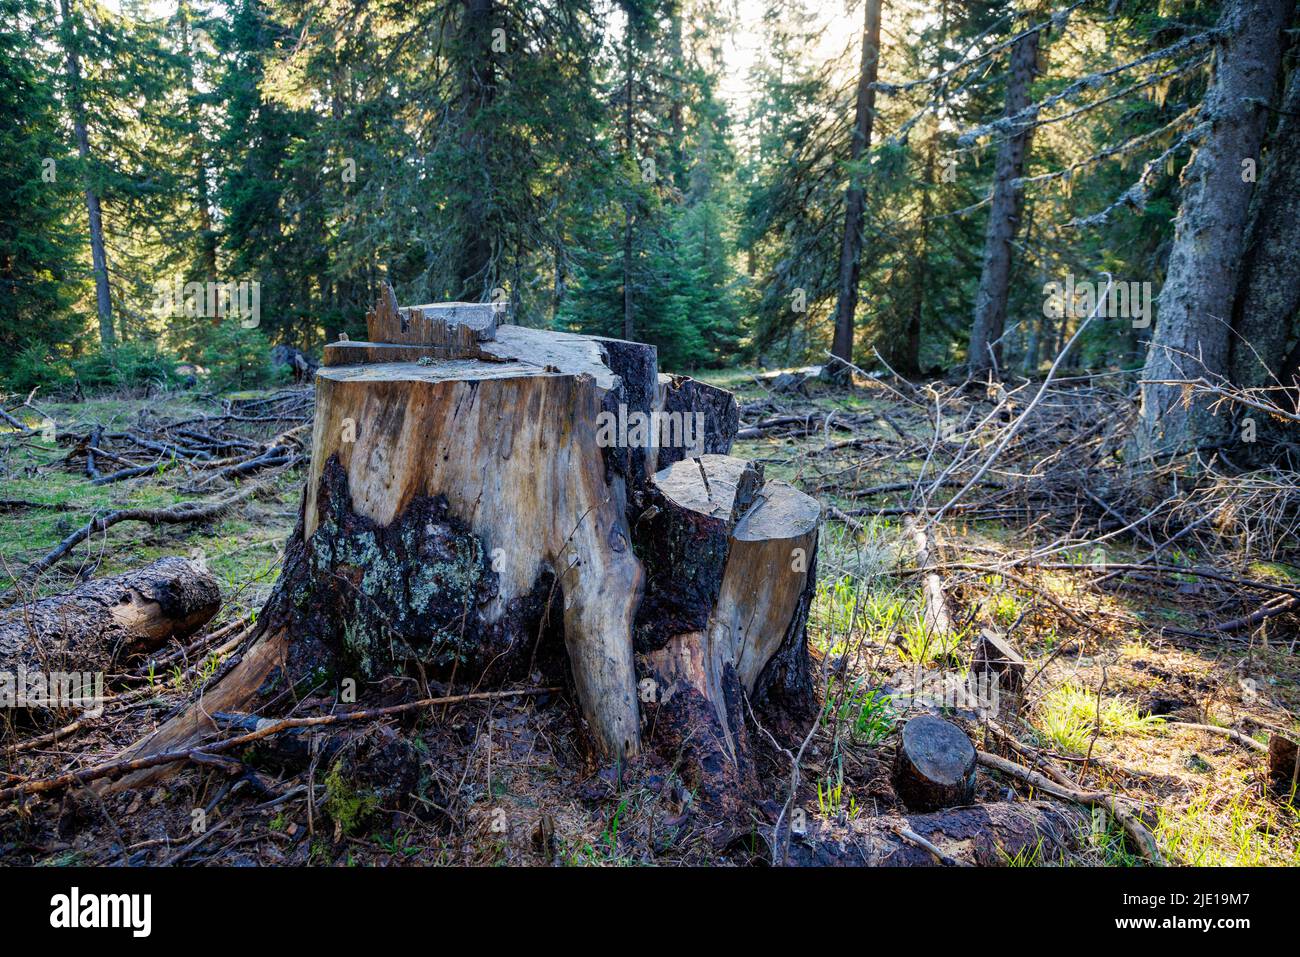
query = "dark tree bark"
x=1195 y=306
x=846 y=302
x=1268 y=295
x=908 y=360
x=1004 y=215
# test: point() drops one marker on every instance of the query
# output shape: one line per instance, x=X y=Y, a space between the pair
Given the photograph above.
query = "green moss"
x=347 y=806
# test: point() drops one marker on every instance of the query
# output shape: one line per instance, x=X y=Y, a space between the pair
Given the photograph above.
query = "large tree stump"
x=499 y=486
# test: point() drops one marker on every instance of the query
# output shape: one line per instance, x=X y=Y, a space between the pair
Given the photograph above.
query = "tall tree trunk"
x=561 y=280
x=629 y=144
x=909 y=362
x=1268 y=295
x=477 y=89
x=1038 y=329
x=207 y=235
x=846 y=303
x=1004 y=215
x=1195 y=306
x=677 y=97
x=76 y=100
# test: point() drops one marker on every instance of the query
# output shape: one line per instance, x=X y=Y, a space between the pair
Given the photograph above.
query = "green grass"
x=241 y=549
x=1238 y=831
x=1111 y=843
x=1031 y=855
x=921 y=645
x=1067 y=718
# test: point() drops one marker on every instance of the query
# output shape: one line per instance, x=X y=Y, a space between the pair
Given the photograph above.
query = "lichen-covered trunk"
x=1195 y=305
x=534 y=494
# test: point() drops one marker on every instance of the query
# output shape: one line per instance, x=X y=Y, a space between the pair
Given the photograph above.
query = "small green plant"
x=610 y=837
x=869 y=713
x=237 y=358
x=1031 y=855
x=209 y=668
x=830 y=798
x=400 y=844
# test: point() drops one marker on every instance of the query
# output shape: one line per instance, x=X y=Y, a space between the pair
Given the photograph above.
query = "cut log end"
x=934 y=766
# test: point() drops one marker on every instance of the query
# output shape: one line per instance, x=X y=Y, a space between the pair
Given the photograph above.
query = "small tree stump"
x=998 y=665
x=729 y=576
x=934 y=766
x=1283 y=765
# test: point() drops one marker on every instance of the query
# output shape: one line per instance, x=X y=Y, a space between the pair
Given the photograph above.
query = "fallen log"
x=985 y=835
x=103 y=622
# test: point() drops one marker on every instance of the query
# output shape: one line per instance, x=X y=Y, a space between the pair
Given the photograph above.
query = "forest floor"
x=1100 y=584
